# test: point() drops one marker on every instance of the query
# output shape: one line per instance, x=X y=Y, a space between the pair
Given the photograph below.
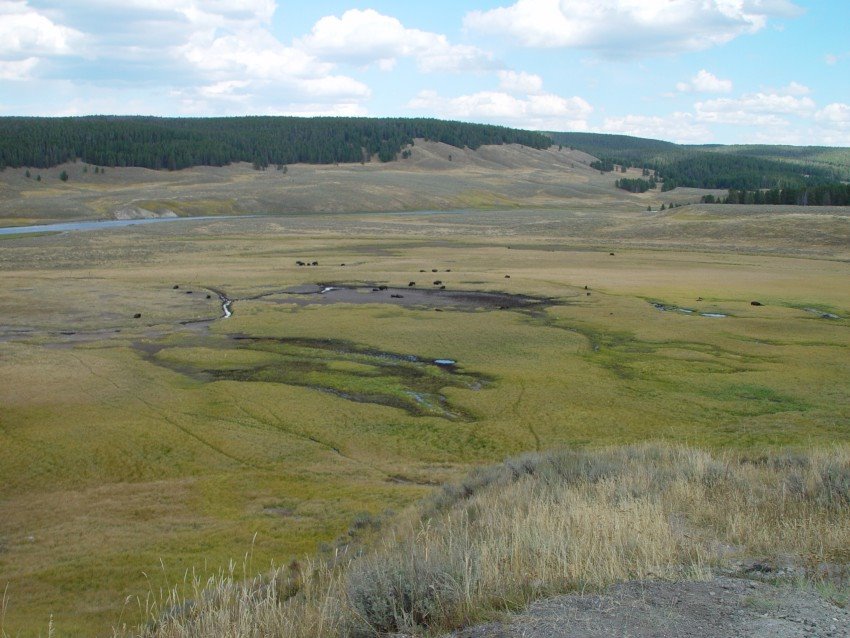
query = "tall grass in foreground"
x=535 y=526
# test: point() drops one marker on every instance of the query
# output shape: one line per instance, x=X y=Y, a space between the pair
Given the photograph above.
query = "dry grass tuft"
x=535 y=526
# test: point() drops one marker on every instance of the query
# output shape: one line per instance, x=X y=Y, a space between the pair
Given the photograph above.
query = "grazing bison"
x=412 y=283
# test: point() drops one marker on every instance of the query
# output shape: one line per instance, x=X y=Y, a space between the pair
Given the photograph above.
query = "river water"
x=96 y=225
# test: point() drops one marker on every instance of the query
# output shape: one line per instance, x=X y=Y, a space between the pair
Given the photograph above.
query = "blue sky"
x=695 y=71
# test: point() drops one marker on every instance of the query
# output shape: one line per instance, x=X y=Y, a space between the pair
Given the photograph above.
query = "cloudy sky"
x=728 y=71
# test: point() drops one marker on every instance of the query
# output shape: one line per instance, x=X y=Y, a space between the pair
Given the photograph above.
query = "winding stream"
x=350 y=371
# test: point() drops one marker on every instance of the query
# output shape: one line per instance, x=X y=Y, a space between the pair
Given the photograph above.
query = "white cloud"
x=540 y=111
x=795 y=88
x=836 y=114
x=520 y=82
x=618 y=27
x=210 y=56
x=705 y=82
x=17 y=69
x=334 y=109
x=334 y=87
x=25 y=31
x=755 y=109
x=199 y=14
x=832 y=126
x=677 y=127
x=834 y=58
x=255 y=54
x=364 y=37
x=252 y=62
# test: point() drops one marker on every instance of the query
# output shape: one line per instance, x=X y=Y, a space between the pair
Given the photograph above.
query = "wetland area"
x=176 y=395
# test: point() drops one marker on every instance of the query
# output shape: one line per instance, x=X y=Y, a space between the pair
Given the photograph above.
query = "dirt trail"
x=718 y=608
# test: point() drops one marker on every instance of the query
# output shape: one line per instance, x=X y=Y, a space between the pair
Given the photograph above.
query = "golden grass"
x=539 y=525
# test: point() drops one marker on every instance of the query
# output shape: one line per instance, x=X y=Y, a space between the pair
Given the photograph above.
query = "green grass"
x=136 y=443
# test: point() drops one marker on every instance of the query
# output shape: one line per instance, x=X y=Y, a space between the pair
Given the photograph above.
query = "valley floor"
x=144 y=434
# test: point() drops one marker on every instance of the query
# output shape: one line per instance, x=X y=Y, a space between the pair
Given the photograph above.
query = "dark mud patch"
x=407 y=296
x=344 y=369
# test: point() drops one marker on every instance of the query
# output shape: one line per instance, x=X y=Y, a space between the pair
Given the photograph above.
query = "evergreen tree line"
x=176 y=143
x=718 y=170
x=716 y=166
x=605 y=165
x=836 y=194
x=637 y=185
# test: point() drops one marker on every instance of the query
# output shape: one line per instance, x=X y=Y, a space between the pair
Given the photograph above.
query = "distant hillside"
x=603 y=145
x=830 y=157
x=175 y=143
x=715 y=166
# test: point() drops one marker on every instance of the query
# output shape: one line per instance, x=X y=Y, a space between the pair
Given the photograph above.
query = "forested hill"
x=716 y=166
x=175 y=143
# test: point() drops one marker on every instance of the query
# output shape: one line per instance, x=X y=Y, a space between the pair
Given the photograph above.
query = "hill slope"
x=434 y=176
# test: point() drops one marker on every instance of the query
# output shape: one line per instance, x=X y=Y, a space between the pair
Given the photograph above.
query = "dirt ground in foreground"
x=718 y=608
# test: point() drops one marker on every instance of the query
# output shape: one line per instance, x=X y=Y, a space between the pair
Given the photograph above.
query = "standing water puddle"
x=822 y=313
x=688 y=311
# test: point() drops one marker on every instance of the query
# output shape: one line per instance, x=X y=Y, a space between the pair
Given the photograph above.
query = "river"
x=97 y=225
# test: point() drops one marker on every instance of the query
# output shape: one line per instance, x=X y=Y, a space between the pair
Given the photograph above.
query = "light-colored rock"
x=137 y=212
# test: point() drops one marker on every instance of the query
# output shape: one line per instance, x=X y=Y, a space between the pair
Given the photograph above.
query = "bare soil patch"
x=718 y=608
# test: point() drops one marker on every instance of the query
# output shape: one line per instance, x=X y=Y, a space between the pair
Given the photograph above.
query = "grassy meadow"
x=135 y=449
x=540 y=525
